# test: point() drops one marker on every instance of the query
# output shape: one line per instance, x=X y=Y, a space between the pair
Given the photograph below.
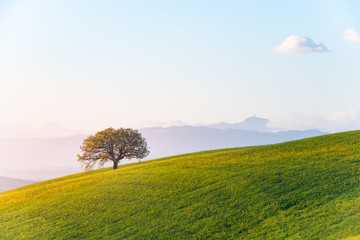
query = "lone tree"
x=112 y=145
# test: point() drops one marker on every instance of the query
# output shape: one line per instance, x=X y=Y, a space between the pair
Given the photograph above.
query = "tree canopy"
x=112 y=145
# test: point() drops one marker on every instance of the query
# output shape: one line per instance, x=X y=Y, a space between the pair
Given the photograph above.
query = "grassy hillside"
x=307 y=189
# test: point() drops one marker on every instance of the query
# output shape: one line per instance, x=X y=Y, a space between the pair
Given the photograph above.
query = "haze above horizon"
x=88 y=65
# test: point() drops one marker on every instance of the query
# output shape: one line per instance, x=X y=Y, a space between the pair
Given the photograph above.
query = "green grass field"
x=307 y=189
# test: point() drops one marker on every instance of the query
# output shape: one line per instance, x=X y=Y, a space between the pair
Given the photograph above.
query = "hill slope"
x=306 y=189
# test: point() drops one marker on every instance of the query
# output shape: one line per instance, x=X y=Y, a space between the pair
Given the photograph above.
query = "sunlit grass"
x=307 y=189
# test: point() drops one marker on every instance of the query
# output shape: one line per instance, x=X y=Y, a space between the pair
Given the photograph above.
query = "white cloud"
x=351 y=116
x=334 y=122
x=351 y=35
x=296 y=44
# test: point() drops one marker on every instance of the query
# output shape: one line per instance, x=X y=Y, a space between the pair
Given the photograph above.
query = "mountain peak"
x=252 y=123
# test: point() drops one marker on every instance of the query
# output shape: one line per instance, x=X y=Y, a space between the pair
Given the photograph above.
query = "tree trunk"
x=115 y=165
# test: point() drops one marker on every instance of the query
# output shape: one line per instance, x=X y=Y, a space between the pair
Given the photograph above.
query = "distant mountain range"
x=251 y=124
x=45 y=158
x=10 y=183
x=185 y=139
x=177 y=140
x=39 y=158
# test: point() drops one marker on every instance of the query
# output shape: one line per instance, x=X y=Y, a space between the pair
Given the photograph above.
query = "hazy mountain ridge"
x=46 y=158
x=7 y=183
x=251 y=124
x=39 y=158
x=177 y=140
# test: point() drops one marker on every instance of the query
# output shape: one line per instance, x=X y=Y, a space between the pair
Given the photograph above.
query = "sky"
x=86 y=65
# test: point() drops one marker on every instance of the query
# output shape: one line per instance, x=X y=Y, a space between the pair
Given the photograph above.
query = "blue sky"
x=88 y=65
